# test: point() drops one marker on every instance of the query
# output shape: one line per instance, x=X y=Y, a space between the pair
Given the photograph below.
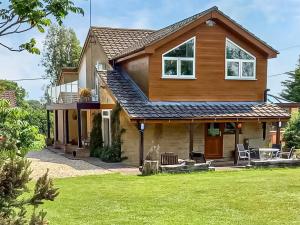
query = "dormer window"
x=240 y=64
x=179 y=62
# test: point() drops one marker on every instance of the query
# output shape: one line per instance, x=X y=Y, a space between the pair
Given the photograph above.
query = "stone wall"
x=175 y=138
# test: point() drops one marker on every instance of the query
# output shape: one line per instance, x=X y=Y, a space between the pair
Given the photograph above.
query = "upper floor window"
x=240 y=64
x=179 y=62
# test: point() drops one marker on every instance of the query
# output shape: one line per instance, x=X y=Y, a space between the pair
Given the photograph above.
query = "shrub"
x=292 y=132
x=17 y=137
x=96 y=142
x=112 y=153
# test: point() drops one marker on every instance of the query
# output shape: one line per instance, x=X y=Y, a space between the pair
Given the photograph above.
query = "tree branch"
x=3 y=24
x=9 y=26
x=11 y=49
x=16 y=31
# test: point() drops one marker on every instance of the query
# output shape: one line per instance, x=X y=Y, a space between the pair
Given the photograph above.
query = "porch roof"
x=138 y=107
x=73 y=105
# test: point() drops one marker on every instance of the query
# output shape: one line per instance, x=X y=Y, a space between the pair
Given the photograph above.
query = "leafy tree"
x=16 y=138
x=292 y=86
x=20 y=92
x=15 y=128
x=37 y=115
x=61 y=49
x=19 y=16
x=292 y=132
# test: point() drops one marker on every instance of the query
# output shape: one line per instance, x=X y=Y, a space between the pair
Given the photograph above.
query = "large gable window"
x=179 y=62
x=240 y=64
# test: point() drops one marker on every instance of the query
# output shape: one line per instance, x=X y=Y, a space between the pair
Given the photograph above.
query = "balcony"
x=67 y=93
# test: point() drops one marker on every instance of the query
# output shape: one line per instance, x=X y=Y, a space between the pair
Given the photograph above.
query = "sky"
x=277 y=22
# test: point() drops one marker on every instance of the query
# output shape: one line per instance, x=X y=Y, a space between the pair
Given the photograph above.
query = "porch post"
x=278 y=133
x=67 y=126
x=264 y=126
x=56 y=124
x=48 y=124
x=79 y=128
x=141 y=128
x=237 y=137
x=191 y=145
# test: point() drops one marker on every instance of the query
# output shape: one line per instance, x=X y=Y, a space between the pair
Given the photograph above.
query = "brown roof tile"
x=164 y=32
x=115 y=40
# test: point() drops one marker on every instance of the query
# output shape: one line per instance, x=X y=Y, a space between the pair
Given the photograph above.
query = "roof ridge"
x=167 y=27
x=195 y=15
x=121 y=28
x=166 y=31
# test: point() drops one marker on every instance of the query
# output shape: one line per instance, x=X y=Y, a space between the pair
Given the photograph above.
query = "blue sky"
x=275 y=21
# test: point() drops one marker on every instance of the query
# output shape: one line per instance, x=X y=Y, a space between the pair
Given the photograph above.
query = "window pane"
x=170 y=67
x=184 y=50
x=248 y=69
x=229 y=128
x=187 y=67
x=232 y=69
x=213 y=129
x=234 y=52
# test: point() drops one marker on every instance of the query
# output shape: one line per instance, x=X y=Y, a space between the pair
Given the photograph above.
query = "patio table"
x=270 y=151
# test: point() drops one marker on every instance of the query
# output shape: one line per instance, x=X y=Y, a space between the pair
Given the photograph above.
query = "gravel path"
x=60 y=166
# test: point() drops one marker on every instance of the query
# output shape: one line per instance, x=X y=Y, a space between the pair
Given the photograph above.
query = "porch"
x=215 y=140
x=72 y=124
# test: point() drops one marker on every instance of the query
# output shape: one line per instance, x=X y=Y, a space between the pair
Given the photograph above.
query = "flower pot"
x=85 y=99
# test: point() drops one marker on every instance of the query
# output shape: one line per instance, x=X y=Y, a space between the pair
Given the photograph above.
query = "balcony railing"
x=68 y=93
x=65 y=93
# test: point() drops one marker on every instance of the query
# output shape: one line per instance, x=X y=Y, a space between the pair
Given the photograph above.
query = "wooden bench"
x=168 y=158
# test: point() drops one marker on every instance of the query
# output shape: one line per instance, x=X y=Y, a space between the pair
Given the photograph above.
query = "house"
x=198 y=85
x=10 y=96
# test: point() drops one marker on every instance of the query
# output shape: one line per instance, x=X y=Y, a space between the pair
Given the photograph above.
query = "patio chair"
x=168 y=158
x=242 y=153
x=276 y=146
x=288 y=154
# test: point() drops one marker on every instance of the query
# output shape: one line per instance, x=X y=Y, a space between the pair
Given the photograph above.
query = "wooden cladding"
x=138 y=71
x=210 y=83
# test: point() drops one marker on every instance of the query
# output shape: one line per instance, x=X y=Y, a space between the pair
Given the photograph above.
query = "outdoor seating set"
x=263 y=154
x=171 y=164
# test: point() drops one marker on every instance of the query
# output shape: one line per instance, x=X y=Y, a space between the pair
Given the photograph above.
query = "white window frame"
x=179 y=59
x=240 y=61
x=109 y=119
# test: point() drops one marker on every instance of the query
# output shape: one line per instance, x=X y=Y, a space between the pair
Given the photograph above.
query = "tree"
x=292 y=86
x=17 y=137
x=292 y=132
x=23 y=15
x=37 y=115
x=15 y=128
x=20 y=92
x=61 y=49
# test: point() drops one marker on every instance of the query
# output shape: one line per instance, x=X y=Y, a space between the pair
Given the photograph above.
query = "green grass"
x=239 y=197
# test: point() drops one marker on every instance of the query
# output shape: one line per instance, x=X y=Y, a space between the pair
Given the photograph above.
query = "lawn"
x=238 y=197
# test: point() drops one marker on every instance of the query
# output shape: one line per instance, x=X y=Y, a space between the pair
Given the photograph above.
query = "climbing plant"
x=96 y=143
x=113 y=153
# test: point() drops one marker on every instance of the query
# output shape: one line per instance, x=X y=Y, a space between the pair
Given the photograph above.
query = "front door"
x=214 y=140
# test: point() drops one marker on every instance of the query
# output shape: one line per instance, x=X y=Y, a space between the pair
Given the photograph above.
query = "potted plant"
x=85 y=95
